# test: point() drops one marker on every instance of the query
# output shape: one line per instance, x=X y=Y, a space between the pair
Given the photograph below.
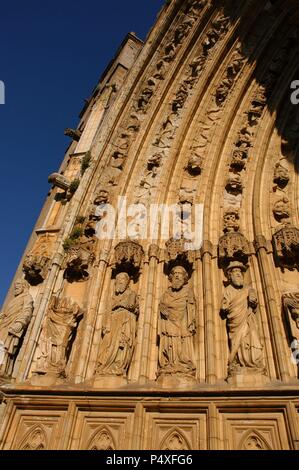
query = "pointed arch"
x=35 y=439
x=102 y=440
x=175 y=440
x=253 y=440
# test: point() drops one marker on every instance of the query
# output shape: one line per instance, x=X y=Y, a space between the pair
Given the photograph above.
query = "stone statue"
x=58 y=329
x=119 y=330
x=177 y=326
x=13 y=325
x=291 y=304
x=238 y=306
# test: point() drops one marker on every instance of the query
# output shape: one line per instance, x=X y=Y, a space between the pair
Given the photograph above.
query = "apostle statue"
x=291 y=304
x=14 y=321
x=119 y=330
x=58 y=329
x=239 y=305
x=177 y=326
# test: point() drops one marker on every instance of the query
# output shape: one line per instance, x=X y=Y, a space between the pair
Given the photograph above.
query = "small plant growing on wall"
x=69 y=242
x=74 y=186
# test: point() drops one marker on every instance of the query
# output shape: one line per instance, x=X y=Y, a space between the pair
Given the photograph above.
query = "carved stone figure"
x=147 y=185
x=79 y=258
x=102 y=197
x=167 y=132
x=36 y=263
x=119 y=330
x=239 y=306
x=238 y=161
x=74 y=134
x=281 y=175
x=282 y=209
x=231 y=220
x=290 y=302
x=234 y=184
x=60 y=181
x=195 y=164
x=14 y=321
x=177 y=326
x=58 y=330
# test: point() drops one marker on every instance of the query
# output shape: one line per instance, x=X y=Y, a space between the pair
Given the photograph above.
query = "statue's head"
x=178 y=277
x=235 y=273
x=20 y=286
x=122 y=281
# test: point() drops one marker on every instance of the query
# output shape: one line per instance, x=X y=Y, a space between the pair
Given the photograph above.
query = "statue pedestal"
x=176 y=381
x=109 y=381
x=46 y=380
x=248 y=378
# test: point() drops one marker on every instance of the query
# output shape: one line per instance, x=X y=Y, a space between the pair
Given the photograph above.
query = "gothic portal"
x=157 y=303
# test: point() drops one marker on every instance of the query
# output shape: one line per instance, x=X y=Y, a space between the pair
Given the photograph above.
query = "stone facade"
x=155 y=341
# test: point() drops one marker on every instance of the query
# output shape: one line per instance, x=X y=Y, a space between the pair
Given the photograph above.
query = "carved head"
x=281 y=174
x=178 y=277
x=122 y=281
x=102 y=197
x=20 y=286
x=235 y=273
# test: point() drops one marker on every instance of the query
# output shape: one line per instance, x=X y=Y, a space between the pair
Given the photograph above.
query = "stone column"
x=91 y=317
x=273 y=309
x=148 y=314
x=207 y=253
x=38 y=318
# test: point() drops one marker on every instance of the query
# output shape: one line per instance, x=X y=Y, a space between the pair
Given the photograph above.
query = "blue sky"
x=52 y=54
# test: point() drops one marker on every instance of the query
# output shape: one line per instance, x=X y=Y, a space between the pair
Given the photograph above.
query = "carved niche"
x=286 y=247
x=178 y=252
x=128 y=256
x=233 y=246
x=36 y=263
